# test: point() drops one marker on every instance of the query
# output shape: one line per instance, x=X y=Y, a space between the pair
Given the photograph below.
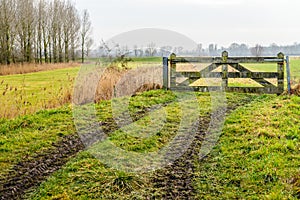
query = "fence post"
x=166 y=84
x=224 y=70
x=173 y=71
x=288 y=73
x=280 y=70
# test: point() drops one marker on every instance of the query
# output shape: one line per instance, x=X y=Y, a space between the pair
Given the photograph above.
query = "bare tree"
x=7 y=21
x=151 y=50
x=86 y=28
x=257 y=50
x=42 y=30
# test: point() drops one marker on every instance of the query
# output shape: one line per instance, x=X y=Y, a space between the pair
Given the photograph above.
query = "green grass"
x=23 y=137
x=258 y=153
x=86 y=177
x=27 y=135
x=257 y=157
x=28 y=93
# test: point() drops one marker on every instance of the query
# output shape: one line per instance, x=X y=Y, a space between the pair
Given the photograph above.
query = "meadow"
x=256 y=157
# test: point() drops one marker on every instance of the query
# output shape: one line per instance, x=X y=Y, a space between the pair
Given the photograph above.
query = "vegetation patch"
x=257 y=155
x=87 y=177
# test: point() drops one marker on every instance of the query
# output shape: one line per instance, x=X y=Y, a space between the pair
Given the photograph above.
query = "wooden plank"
x=253 y=75
x=263 y=90
x=194 y=59
x=209 y=68
x=268 y=90
x=198 y=75
x=263 y=82
x=166 y=84
x=197 y=88
x=224 y=61
x=172 y=70
x=288 y=73
x=186 y=82
x=230 y=60
x=280 y=70
x=240 y=68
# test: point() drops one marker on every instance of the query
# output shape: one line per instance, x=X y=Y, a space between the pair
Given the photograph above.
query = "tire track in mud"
x=175 y=181
x=29 y=173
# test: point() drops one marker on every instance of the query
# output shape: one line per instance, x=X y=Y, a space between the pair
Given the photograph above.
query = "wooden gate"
x=171 y=74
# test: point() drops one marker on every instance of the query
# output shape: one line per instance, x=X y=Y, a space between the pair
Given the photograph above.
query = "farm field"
x=256 y=157
x=27 y=93
x=257 y=151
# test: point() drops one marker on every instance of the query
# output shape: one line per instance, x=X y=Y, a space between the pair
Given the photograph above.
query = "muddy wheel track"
x=29 y=173
x=176 y=180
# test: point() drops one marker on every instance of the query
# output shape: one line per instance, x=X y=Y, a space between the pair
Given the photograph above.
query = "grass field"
x=28 y=93
x=25 y=136
x=257 y=156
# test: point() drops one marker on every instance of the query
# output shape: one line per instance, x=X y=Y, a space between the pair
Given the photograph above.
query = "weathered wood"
x=269 y=90
x=166 y=84
x=252 y=75
x=225 y=70
x=288 y=72
x=280 y=70
x=172 y=70
x=239 y=67
x=262 y=82
x=209 y=68
x=231 y=60
x=224 y=61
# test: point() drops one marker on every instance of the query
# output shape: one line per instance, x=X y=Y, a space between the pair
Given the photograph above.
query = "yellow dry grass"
x=31 y=67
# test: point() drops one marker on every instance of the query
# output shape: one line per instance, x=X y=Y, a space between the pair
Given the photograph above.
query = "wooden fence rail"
x=171 y=74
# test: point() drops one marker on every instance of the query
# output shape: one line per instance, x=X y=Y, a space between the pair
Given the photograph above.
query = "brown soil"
x=176 y=180
x=29 y=173
x=33 y=171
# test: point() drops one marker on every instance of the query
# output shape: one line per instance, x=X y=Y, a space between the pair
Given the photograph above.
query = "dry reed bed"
x=113 y=82
x=18 y=100
x=93 y=84
x=30 y=68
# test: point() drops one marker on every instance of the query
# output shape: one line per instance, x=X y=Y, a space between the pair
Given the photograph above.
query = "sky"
x=221 y=22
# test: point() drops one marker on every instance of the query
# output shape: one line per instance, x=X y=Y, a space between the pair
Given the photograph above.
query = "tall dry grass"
x=18 y=101
x=94 y=85
x=32 y=67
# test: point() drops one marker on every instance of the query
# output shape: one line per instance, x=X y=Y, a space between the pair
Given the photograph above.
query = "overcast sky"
x=204 y=21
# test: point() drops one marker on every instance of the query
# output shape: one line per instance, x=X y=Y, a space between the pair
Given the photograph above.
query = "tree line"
x=235 y=49
x=43 y=31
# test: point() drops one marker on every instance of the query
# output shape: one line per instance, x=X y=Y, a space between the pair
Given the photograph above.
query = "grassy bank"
x=28 y=93
x=258 y=154
x=86 y=177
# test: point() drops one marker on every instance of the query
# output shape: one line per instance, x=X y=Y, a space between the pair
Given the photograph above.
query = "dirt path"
x=31 y=172
x=176 y=180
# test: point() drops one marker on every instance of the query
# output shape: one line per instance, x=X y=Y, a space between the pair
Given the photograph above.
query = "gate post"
x=166 y=84
x=172 y=71
x=280 y=70
x=224 y=70
x=288 y=74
